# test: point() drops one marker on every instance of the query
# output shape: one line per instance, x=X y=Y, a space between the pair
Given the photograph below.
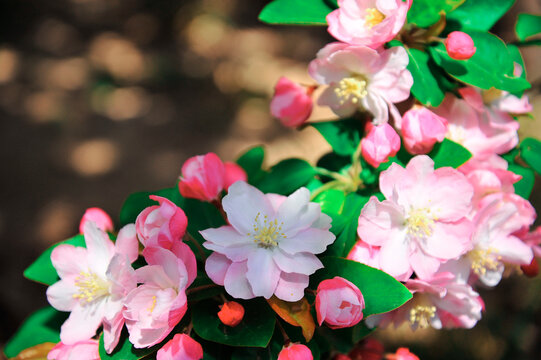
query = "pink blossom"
x=180 y=347
x=533 y=239
x=381 y=143
x=154 y=308
x=422 y=223
x=99 y=217
x=365 y=254
x=82 y=350
x=233 y=173
x=161 y=225
x=339 y=303
x=291 y=103
x=421 y=129
x=459 y=45
x=402 y=354
x=370 y=23
x=268 y=248
x=295 y=352
x=362 y=79
x=93 y=283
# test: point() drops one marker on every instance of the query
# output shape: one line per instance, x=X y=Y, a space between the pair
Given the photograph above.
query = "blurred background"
x=102 y=98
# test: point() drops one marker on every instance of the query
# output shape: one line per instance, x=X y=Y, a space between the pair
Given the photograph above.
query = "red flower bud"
x=231 y=313
x=532 y=269
x=459 y=45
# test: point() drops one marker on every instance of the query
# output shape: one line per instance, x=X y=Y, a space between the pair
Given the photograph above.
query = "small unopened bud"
x=291 y=103
x=231 y=313
x=459 y=45
x=532 y=269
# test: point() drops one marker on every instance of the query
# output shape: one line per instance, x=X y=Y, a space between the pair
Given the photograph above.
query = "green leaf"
x=528 y=25
x=491 y=66
x=42 y=270
x=42 y=326
x=202 y=280
x=331 y=201
x=382 y=293
x=425 y=13
x=525 y=185
x=287 y=176
x=201 y=216
x=530 y=152
x=296 y=12
x=125 y=350
x=136 y=202
x=343 y=340
x=255 y=329
x=449 y=153
x=426 y=87
x=478 y=14
x=252 y=162
x=343 y=135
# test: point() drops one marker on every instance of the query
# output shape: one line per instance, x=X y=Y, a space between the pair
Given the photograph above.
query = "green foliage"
x=382 y=293
x=252 y=162
x=527 y=25
x=202 y=280
x=342 y=340
x=449 y=153
x=491 y=66
x=331 y=201
x=296 y=12
x=42 y=270
x=425 y=13
x=343 y=135
x=255 y=330
x=525 y=185
x=478 y=14
x=426 y=87
x=530 y=152
x=287 y=176
x=42 y=326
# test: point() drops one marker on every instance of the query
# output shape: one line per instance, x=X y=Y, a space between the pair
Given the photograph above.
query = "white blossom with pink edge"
x=361 y=78
x=268 y=248
x=93 y=283
x=422 y=223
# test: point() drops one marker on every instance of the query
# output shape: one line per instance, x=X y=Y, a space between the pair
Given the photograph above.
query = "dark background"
x=102 y=98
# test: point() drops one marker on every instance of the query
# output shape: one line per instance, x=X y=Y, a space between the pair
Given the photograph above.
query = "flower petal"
x=291 y=286
x=302 y=263
x=262 y=274
x=311 y=240
x=236 y=284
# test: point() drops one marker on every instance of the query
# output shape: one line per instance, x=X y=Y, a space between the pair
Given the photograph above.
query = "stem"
x=197 y=245
x=224 y=299
x=284 y=334
x=189 y=328
x=332 y=174
x=329 y=185
x=218 y=204
x=199 y=288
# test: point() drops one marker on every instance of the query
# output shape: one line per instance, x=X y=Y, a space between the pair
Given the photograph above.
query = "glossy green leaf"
x=331 y=201
x=201 y=216
x=296 y=12
x=382 y=293
x=478 y=14
x=255 y=329
x=136 y=202
x=530 y=152
x=343 y=135
x=42 y=326
x=425 y=87
x=449 y=153
x=491 y=66
x=528 y=25
x=252 y=162
x=125 y=350
x=287 y=176
x=425 y=13
x=525 y=185
x=42 y=270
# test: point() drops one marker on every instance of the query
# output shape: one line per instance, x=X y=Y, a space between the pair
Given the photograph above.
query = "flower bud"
x=380 y=143
x=459 y=45
x=402 y=354
x=532 y=269
x=295 y=352
x=339 y=303
x=291 y=103
x=233 y=173
x=231 y=313
x=181 y=346
x=100 y=217
x=203 y=177
x=421 y=129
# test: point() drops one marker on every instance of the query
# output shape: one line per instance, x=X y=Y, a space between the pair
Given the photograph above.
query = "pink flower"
x=82 y=350
x=362 y=79
x=533 y=239
x=370 y=23
x=180 y=347
x=93 y=283
x=422 y=223
x=291 y=103
x=365 y=254
x=507 y=103
x=402 y=354
x=231 y=313
x=156 y=307
x=421 y=129
x=204 y=177
x=295 y=352
x=381 y=143
x=339 y=303
x=99 y=217
x=459 y=45
x=161 y=225
x=269 y=247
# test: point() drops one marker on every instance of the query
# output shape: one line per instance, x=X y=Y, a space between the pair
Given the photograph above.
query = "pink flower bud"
x=291 y=103
x=231 y=313
x=161 y=225
x=402 y=354
x=459 y=45
x=380 y=143
x=233 y=173
x=97 y=215
x=180 y=347
x=295 y=352
x=339 y=303
x=203 y=177
x=421 y=129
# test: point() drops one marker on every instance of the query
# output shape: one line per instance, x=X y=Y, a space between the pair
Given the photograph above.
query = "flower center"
x=419 y=222
x=351 y=89
x=373 y=17
x=422 y=314
x=482 y=261
x=90 y=287
x=267 y=233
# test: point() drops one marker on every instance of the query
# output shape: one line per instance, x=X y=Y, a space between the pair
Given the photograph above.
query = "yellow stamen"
x=90 y=287
x=373 y=17
x=351 y=88
x=482 y=261
x=266 y=235
x=419 y=222
x=422 y=315
x=153 y=306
